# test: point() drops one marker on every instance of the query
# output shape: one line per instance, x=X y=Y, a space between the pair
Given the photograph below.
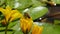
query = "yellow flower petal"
x=10 y=14
x=7 y=17
x=26 y=24
x=6 y=12
x=2 y=10
x=36 y=29
x=8 y=8
x=15 y=14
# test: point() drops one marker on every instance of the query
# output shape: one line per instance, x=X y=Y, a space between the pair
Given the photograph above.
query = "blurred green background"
x=35 y=8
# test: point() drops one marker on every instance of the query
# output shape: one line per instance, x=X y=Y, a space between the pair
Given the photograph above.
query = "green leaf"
x=37 y=12
x=2 y=1
x=9 y=32
x=12 y=24
x=19 y=4
x=56 y=1
x=2 y=28
x=1 y=16
x=18 y=32
x=56 y=21
x=38 y=3
x=51 y=29
x=16 y=27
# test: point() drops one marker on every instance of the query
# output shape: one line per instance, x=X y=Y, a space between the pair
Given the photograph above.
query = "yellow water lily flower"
x=37 y=29
x=26 y=24
x=10 y=14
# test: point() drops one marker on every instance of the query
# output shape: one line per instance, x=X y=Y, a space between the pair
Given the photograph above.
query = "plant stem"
x=6 y=29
